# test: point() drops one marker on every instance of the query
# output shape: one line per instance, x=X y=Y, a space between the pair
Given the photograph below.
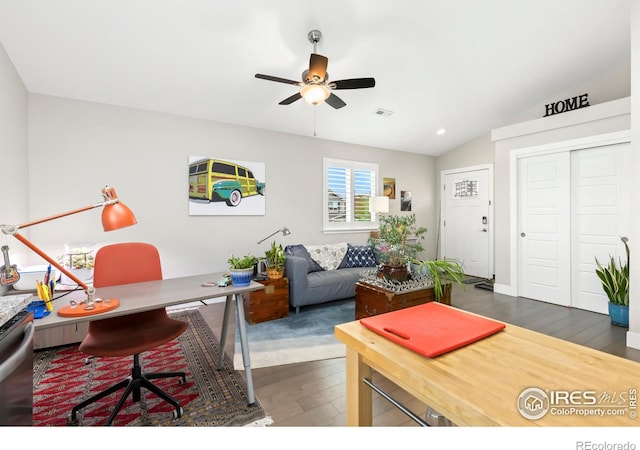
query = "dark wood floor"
x=313 y=393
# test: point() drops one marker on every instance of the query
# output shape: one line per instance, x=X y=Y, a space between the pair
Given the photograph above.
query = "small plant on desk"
x=241 y=269
x=244 y=262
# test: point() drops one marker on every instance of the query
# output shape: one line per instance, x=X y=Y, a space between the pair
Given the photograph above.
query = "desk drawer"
x=62 y=335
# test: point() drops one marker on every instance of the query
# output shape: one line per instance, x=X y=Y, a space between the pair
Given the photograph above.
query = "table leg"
x=359 y=395
x=225 y=327
x=244 y=343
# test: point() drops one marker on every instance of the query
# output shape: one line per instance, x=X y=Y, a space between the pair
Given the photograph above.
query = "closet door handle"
x=523 y=234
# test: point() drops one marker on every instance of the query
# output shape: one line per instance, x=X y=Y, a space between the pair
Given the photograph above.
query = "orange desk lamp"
x=115 y=215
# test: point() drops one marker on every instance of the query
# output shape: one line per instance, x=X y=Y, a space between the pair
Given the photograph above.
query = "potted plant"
x=443 y=273
x=275 y=260
x=397 y=242
x=615 y=283
x=241 y=269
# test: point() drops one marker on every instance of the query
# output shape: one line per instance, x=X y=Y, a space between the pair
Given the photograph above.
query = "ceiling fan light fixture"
x=315 y=88
x=314 y=94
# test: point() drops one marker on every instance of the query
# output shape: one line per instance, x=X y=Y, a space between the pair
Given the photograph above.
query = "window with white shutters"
x=348 y=188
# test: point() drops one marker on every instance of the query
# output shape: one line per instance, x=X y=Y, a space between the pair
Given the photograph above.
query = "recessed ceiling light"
x=441 y=131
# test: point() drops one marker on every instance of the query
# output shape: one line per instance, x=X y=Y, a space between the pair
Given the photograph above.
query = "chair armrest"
x=296 y=269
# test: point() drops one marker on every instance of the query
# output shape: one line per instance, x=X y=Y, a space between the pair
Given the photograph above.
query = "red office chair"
x=134 y=333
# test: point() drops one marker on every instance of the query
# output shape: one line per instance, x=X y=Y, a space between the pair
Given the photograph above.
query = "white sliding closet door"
x=600 y=216
x=573 y=206
x=544 y=230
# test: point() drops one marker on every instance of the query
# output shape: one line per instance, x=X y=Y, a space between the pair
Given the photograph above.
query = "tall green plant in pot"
x=276 y=259
x=398 y=242
x=615 y=283
x=443 y=273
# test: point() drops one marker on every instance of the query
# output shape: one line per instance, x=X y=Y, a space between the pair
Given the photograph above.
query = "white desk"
x=138 y=297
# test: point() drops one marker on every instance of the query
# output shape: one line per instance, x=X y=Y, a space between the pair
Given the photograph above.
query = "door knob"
x=523 y=234
x=483 y=229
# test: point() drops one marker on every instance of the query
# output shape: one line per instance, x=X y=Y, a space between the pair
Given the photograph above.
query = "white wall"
x=77 y=147
x=476 y=152
x=14 y=168
x=609 y=86
x=633 y=336
x=614 y=84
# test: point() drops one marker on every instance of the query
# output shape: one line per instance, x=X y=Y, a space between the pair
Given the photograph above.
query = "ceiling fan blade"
x=278 y=79
x=317 y=67
x=354 y=83
x=289 y=100
x=335 y=101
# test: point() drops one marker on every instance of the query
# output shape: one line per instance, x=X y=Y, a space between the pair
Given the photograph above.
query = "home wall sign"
x=569 y=104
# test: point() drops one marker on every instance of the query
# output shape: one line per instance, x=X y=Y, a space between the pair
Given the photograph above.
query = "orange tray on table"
x=432 y=329
x=79 y=311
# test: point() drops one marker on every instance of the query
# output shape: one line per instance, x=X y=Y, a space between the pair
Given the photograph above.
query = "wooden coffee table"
x=372 y=300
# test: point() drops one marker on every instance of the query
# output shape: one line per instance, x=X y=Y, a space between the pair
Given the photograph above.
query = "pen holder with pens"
x=45 y=290
x=39 y=309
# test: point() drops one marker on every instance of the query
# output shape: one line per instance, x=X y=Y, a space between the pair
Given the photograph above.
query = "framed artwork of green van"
x=220 y=186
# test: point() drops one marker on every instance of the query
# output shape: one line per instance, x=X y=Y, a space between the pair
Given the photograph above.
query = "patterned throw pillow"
x=360 y=256
x=301 y=251
x=329 y=256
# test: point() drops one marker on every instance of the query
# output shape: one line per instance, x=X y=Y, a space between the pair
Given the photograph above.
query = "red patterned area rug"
x=210 y=397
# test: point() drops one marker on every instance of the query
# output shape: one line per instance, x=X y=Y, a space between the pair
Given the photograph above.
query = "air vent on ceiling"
x=383 y=112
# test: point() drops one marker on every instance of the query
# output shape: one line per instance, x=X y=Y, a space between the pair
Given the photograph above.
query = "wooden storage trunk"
x=373 y=300
x=269 y=303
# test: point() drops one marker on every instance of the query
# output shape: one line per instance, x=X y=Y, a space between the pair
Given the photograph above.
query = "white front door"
x=544 y=228
x=600 y=217
x=466 y=220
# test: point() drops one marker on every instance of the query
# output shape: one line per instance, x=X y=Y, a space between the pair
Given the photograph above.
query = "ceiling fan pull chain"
x=315 y=107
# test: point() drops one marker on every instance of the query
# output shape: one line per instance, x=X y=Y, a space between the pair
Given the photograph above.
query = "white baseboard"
x=505 y=289
x=633 y=339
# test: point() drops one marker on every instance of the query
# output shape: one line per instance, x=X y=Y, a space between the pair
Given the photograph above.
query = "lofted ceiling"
x=463 y=65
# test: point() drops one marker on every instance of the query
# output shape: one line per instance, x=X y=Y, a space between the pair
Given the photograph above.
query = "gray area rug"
x=307 y=336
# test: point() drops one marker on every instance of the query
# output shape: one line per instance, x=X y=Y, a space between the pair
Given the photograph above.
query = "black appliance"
x=16 y=370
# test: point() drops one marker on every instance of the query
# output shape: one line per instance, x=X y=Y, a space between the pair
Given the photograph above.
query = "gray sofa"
x=312 y=282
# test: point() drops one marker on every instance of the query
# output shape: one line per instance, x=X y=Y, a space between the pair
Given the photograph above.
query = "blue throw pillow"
x=360 y=256
x=301 y=251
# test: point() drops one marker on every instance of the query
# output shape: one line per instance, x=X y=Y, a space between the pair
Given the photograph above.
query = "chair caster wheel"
x=182 y=381
x=177 y=413
x=72 y=421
